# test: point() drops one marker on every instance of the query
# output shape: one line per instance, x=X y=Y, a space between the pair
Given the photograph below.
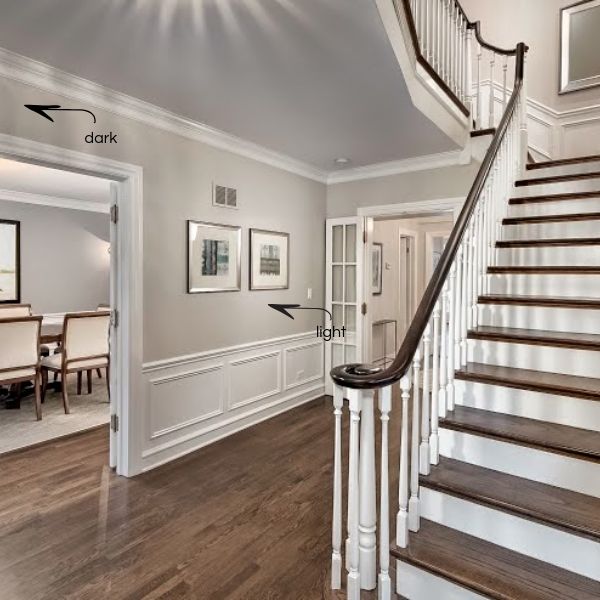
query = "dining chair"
x=10 y=311
x=102 y=307
x=84 y=348
x=20 y=354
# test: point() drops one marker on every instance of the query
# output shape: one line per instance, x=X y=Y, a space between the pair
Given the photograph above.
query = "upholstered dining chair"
x=20 y=354
x=84 y=348
x=10 y=311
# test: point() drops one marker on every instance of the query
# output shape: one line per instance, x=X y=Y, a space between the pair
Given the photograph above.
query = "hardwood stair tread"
x=541 y=270
x=541 y=435
x=537 y=381
x=537 y=337
x=556 y=507
x=595 y=241
x=572 y=217
x=489 y=569
x=563 y=162
x=567 y=196
x=550 y=179
x=550 y=301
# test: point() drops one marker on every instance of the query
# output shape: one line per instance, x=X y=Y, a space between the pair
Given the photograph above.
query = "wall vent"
x=225 y=197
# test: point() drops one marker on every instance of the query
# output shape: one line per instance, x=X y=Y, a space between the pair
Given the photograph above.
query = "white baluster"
x=461 y=57
x=464 y=299
x=524 y=150
x=452 y=328
x=479 y=119
x=367 y=526
x=336 y=527
x=353 y=566
x=492 y=90
x=458 y=307
x=402 y=516
x=469 y=75
x=435 y=385
x=444 y=359
x=504 y=87
x=469 y=278
x=425 y=465
x=426 y=38
x=384 y=584
x=455 y=48
x=413 y=504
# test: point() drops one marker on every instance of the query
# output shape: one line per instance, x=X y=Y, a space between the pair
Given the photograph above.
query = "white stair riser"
x=546 y=467
x=564 y=229
x=574 y=169
x=555 y=207
x=535 y=284
x=541 y=406
x=575 y=320
x=584 y=363
x=549 y=256
x=417 y=584
x=537 y=540
x=563 y=187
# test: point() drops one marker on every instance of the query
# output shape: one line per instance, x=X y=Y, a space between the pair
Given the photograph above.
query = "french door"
x=344 y=291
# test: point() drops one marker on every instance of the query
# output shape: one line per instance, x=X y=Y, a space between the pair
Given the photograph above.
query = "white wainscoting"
x=197 y=399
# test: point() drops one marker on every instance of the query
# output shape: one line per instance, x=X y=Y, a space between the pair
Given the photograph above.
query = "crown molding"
x=54 y=201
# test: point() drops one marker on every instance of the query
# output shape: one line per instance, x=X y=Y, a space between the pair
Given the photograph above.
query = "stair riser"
x=516 y=533
x=555 y=207
x=575 y=320
x=564 y=187
x=587 y=286
x=546 y=467
x=574 y=169
x=548 y=256
x=541 y=406
x=583 y=363
x=417 y=584
x=558 y=230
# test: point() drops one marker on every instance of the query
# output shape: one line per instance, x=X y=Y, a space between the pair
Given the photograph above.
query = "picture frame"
x=579 y=62
x=269 y=260
x=10 y=262
x=214 y=253
x=377 y=269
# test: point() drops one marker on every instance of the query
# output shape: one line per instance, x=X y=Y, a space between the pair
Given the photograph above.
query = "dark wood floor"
x=247 y=517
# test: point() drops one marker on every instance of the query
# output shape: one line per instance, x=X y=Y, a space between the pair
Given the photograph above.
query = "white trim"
x=54 y=201
x=407 y=208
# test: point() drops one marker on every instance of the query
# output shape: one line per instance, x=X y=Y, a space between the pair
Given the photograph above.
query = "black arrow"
x=283 y=309
x=41 y=109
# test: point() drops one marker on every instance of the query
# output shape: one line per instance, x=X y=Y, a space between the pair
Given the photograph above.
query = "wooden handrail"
x=358 y=376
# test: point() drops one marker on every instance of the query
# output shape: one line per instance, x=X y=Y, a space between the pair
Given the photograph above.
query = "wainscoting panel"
x=197 y=399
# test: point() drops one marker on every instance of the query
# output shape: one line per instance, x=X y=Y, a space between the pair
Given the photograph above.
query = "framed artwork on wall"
x=377 y=269
x=10 y=261
x=214 y=257
x=269 y=260
x=579 y=56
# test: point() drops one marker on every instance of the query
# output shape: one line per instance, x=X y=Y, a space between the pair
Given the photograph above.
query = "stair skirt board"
x=418 y=584
x=546 y=284
x=558 y=187
x=548 y=256
x=555 y=207
x=516 y=533
x=558 y=229
x=540 y=406
x=545 y=318
x=515 y=459
x=583 y=363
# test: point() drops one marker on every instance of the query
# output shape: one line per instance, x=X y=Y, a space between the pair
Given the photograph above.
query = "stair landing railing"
x=435 y=346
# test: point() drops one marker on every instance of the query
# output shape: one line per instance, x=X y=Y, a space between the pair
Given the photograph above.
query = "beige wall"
x=178 y=175
x=535 y=22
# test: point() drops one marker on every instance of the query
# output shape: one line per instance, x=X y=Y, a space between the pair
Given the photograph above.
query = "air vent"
x=224 y=196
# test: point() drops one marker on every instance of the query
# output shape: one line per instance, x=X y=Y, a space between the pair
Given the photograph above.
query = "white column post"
x=402 y=516
x=435 y=386
x=424 y=463
x=336 y=527
x=413 y=503
x=384 y=584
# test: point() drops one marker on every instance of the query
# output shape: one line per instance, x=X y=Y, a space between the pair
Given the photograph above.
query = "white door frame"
x=401 y=210
x=126 y=374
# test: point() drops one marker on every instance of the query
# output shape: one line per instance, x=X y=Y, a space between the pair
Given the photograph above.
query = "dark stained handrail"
x=358 y=376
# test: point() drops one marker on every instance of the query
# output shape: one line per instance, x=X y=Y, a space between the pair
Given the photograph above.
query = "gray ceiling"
x=313 y=79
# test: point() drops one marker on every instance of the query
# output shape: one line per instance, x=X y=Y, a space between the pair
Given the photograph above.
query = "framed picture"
x=376 y=269
x=579 y=56
x=10 y=261
x=269 y=260
x=214 y=255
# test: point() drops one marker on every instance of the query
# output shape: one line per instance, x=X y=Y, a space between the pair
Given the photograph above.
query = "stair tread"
x=550 y=179
x=563 y=162
x=581 y=241
x=549 y=270
x=569 y=217
x=543 y=381
x=563 y=439
x=550 y=301
x=536 y=336
x=567 y=196
x=489 y=569
x=570 y=511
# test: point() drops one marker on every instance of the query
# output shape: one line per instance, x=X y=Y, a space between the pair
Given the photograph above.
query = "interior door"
x=114 y=254
x=344 y=291
x=406 y=280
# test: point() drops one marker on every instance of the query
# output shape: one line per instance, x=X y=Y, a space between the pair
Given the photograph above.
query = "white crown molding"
x=54 y=201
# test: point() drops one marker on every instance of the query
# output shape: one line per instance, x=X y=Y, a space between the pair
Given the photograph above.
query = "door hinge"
x=114 y=422
x=115 y=318
x=114 y=213
x=365 y=236
x=363 y=308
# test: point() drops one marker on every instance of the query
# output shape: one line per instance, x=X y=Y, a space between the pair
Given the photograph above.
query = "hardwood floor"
x=247 y=517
